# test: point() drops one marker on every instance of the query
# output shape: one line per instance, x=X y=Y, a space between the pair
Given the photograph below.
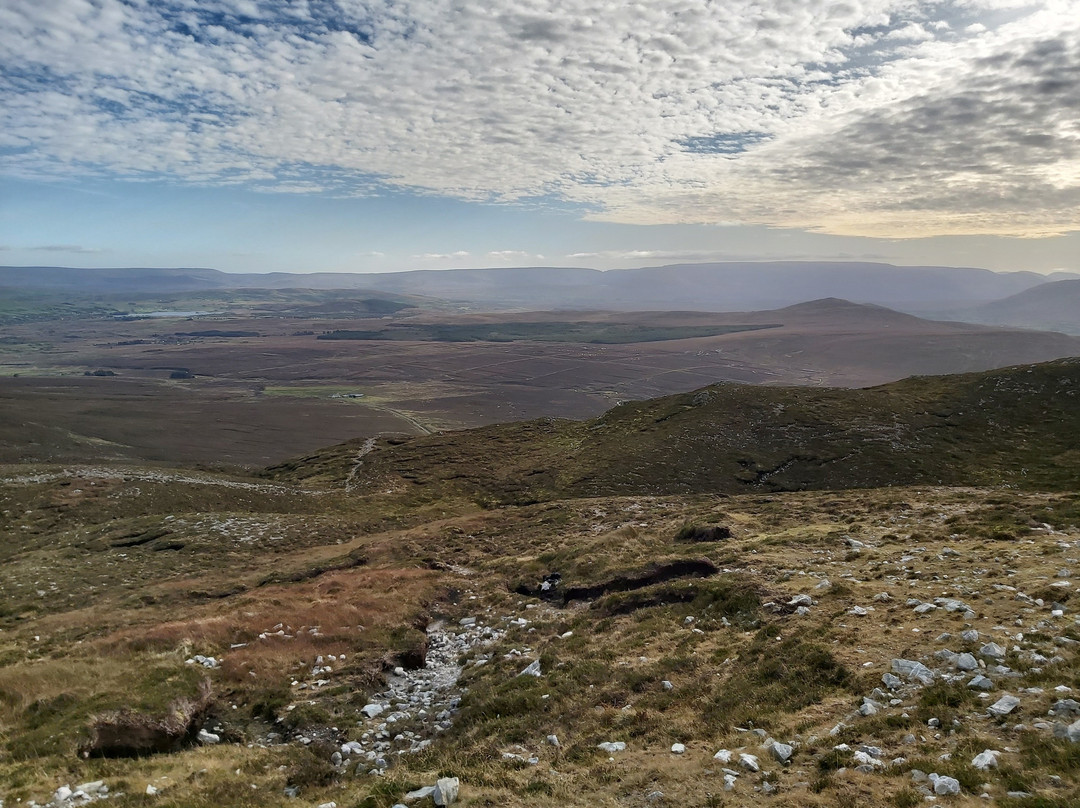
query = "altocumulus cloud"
x=874 y=117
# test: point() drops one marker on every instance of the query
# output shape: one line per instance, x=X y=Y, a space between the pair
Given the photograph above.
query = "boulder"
x=945 y=786
x=446 y=790
x=966 y=662
x=987 y=759
x=782 y=751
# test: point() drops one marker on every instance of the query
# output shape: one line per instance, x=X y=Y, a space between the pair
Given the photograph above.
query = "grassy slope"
x=1017 y=426
x=96 y=615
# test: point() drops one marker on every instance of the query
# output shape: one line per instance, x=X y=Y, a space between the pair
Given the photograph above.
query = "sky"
x=379 y=135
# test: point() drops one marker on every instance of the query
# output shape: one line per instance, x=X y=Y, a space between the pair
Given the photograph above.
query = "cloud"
x=454 y=256
x=879 y=117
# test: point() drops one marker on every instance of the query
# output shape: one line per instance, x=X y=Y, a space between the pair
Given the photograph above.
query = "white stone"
x=612 y=746
x=1005 y=705
x=372 y=710
x=782 y=751
x=992 y=651
x=62 y=794
x=724 y=756
x=678 y=748
x=866 y=759
x=945 y=786
x=987 y=759
x=532 y=670
x=446 y=790
x=150 y=790
x=749 y=762
x=553 y=740
x=208 y=737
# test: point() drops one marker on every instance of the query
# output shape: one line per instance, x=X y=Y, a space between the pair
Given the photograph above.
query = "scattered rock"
x=532 y=670
x=913 y=671
x=945 y=786
x=611 y=747
x=782 y=751
x=966 y=662
x=446 y=790
x=678 y=748
x=1072 y=731
x=1005 y=705
x=892 y=681
x=372 y=710
x=749 y=762
x=987 y=759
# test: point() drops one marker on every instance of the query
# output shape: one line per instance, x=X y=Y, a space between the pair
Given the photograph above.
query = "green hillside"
x=1017 y=426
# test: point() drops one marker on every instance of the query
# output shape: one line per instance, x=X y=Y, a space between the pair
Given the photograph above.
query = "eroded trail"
x=358 y=461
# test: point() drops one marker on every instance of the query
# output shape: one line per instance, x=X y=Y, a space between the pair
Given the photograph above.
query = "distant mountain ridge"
x=731 y=286
x=1053 y=306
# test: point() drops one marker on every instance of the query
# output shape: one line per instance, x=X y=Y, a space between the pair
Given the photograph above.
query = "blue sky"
x=336 y=135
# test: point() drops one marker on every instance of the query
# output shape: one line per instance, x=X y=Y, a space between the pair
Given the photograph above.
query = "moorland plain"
x=253 y=383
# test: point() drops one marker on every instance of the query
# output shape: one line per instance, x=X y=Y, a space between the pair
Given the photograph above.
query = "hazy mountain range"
x=1007 y=298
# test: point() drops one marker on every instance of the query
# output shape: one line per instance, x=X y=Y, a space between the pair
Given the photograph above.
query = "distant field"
x=71 y=418
x=259 y=398
x=590 y=333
